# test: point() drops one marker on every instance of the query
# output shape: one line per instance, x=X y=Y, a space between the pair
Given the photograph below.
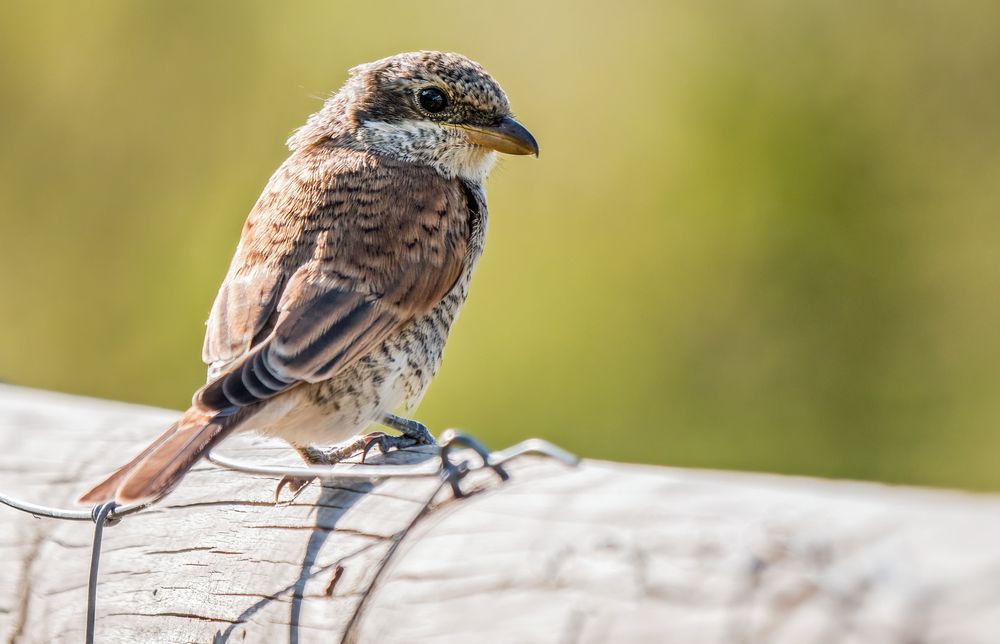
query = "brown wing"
x=340 y=251
x=244 y=309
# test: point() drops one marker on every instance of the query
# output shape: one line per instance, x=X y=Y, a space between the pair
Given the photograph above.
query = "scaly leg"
x=314 y=456
x=413 y=433
x=411 y=428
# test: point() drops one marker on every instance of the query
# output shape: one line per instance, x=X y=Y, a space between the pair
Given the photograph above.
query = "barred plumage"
x=351 y=268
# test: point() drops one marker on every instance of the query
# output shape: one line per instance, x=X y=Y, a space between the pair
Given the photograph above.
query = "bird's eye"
x=432 y=99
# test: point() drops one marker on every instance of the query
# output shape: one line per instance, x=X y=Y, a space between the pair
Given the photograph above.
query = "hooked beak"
x=509 y=137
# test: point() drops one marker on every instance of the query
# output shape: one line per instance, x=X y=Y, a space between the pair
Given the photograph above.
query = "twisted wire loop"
x=450 y=472
x=102 y=515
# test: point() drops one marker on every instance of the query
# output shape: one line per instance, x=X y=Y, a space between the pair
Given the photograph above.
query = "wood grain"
x=603 y=552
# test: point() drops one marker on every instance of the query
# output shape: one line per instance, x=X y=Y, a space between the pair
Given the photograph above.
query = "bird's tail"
x=159 y=467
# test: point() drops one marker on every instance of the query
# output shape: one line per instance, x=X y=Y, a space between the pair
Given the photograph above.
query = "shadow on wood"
x=599 y=553
x=330 y=507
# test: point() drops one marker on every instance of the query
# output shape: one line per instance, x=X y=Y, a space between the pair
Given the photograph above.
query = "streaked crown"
x=426 y=107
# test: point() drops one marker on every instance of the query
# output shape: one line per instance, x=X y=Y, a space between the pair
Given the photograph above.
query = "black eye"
x=432 y=99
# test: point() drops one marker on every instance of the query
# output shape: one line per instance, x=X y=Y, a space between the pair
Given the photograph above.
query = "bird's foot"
x=385 y=442
x=293 y=483
x=413 y=433
x=410 y=428
x=311 y=456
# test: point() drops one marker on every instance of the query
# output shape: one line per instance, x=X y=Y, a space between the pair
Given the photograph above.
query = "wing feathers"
x=325 y=329
x=332 y=331
x=341 y=250
x=241 y=311
x=363 y=246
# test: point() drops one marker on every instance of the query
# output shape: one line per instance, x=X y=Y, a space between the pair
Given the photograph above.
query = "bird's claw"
x=386 y=442
x=422 y=436
x=294 y=483
x=414 y=433
x=410 y=428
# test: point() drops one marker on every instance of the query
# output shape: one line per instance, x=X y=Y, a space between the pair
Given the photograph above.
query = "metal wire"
x=68 y=515
x=361 y=471
x=354 y=471
x=101 y=514
x=451 y=473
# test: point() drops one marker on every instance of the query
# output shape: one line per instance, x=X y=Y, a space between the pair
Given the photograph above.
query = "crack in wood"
x=23 y=593
x=604 y=552
x=203 y=618
x=181 y=550
x=340 y=530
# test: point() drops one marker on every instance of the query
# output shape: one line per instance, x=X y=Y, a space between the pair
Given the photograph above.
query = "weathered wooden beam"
x=602 y=552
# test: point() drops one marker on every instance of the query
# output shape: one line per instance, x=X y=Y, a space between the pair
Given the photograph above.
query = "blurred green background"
x=761 y=235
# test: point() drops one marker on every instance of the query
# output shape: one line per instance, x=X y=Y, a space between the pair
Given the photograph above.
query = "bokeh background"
x=761 y=235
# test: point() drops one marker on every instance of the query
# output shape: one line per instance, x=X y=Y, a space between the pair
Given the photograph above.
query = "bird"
x=350 y=271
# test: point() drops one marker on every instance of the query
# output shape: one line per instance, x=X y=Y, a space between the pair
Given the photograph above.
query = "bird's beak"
x=509 y=137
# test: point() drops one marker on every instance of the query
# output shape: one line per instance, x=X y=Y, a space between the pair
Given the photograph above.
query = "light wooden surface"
x=600 y=553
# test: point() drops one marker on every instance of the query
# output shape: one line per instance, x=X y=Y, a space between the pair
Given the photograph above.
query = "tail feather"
x=159 y=467
x=106 y=489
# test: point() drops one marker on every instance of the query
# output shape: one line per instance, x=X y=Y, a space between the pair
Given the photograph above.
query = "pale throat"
x=427 y=143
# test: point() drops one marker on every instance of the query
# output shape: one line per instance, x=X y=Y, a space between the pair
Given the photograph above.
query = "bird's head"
x=427 y=107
